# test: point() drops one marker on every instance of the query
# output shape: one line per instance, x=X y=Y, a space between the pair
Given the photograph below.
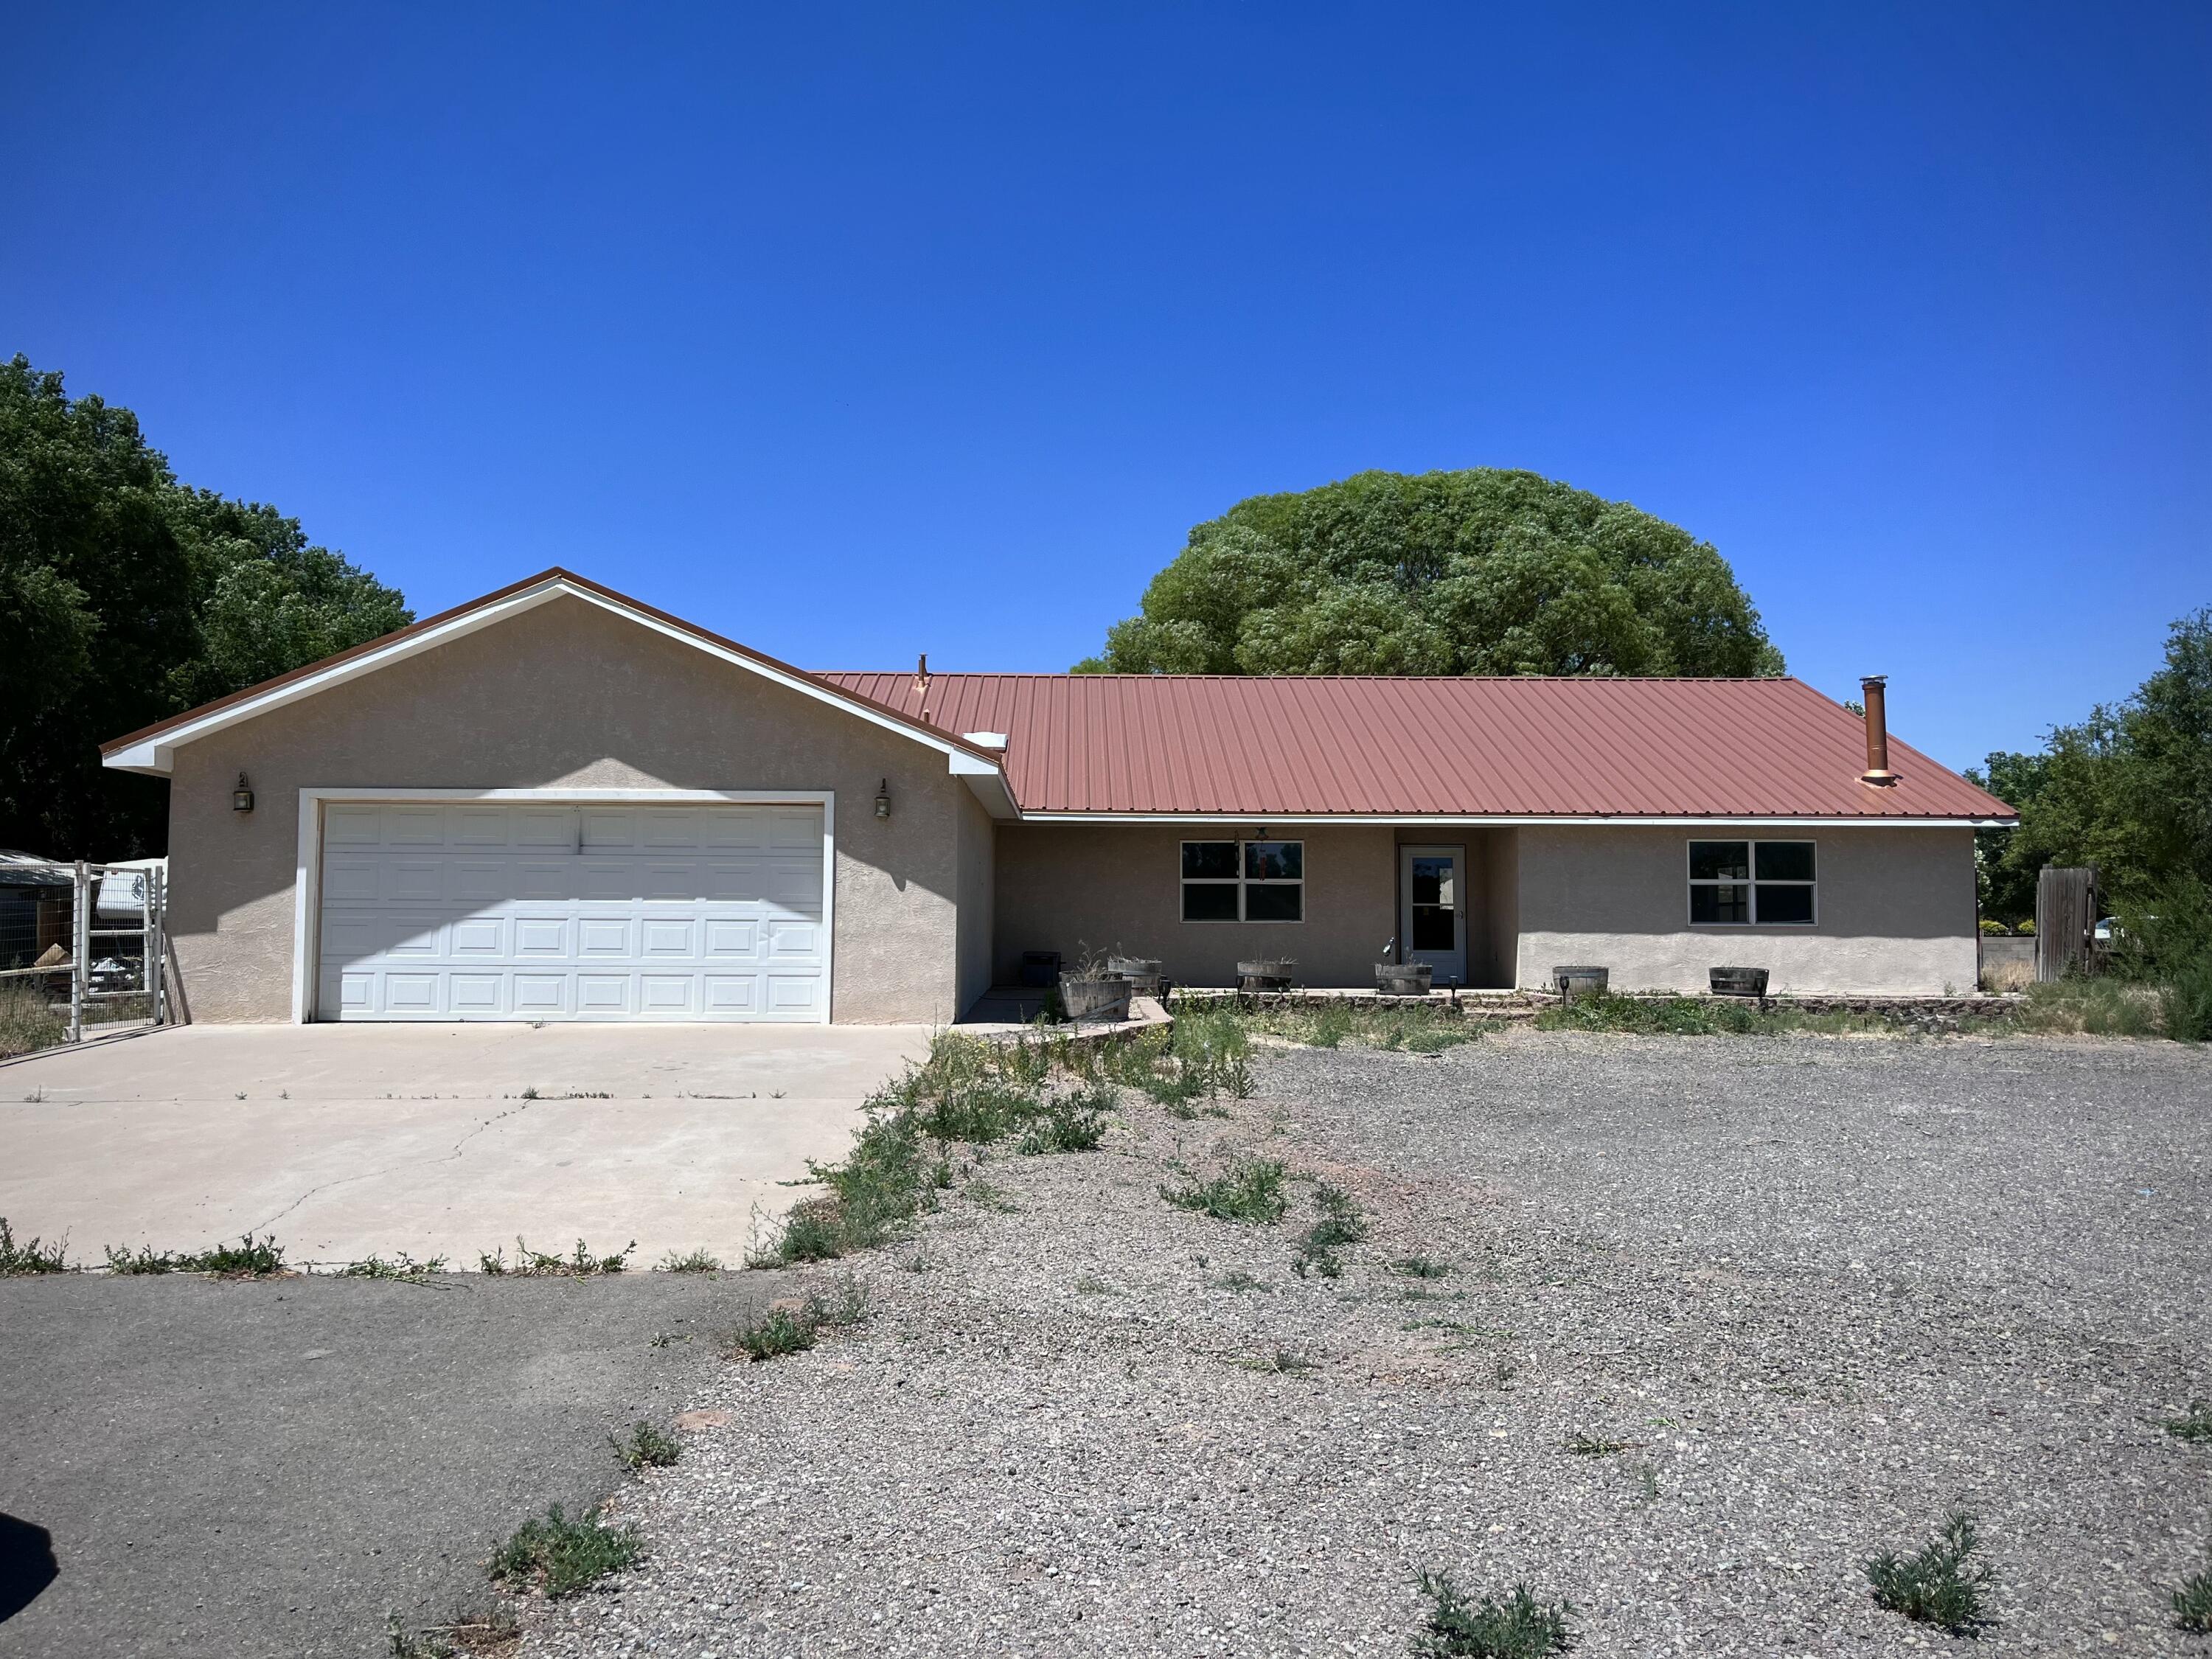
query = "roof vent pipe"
x=921 y=683
x=1877 y=733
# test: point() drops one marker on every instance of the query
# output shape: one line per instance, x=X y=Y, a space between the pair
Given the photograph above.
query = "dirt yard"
x=1680 y=1331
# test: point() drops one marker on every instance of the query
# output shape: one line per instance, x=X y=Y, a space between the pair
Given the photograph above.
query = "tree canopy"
x=1474 y=571
x=126 y=597
x=2129 y=789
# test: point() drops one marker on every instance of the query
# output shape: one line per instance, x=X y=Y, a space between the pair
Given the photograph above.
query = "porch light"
x=241 y=798
x=883 y=798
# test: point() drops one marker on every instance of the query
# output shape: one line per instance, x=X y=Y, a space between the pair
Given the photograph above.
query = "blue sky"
x=855 y=333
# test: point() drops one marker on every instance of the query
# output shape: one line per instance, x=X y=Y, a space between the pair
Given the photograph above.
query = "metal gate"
x=86 y=941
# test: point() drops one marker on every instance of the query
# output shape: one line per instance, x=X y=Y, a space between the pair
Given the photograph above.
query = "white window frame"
x=1751 y=846
x=1241 y=882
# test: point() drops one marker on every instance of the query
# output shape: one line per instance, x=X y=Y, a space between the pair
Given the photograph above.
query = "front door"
x=1432 y=910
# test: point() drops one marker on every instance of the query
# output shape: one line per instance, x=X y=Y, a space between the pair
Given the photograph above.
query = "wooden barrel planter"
x=1575 y=982
x=1144 y=973
x=1105 y=999
x=1739 y=982
x=1403 y=979
x=1266 y=974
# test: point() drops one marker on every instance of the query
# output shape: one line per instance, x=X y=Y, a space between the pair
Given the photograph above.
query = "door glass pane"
x=1209 y=901
x=1723 y=902
x=1433 y=904
x=1274 y=860
x=1213 y=859
x=1726 y=859
x=1285 y=902
x=1784 y=904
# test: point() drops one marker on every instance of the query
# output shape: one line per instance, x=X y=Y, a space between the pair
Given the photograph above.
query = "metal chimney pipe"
x=1877 y=733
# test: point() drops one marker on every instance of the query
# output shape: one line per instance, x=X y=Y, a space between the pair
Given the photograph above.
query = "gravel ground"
x=1823 y=1289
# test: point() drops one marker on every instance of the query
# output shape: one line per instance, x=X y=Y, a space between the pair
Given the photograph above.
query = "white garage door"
x=492 y=910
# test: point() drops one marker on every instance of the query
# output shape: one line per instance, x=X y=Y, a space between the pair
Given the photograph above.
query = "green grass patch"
x=1460 y=1626
x=1250 y=1191
x=558 y=1556
x=1935 y=1584
x=2192 y=1603
x=250 y=1257
x=580 y=1263
x=2194 y=1424
x=646 y=1447
x=33 y=1257
x=788 y=1327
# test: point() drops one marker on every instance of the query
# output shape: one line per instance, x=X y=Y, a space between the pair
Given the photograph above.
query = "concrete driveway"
x=346 y=1141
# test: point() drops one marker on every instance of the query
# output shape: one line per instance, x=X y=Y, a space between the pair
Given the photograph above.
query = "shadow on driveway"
x=270 y=1467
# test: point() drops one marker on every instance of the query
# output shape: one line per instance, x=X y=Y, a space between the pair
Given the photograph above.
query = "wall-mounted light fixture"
x=883 y=798
x=241 y=798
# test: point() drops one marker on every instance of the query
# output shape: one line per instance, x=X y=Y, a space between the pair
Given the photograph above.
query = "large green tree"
x=2129 y=789
x=126 y=596
x=1475 y=572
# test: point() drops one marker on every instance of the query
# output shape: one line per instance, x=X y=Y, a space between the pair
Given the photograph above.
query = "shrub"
x=559 y=1557
x=1251 y=1190
x=2025 y=929
x=1993 y=928
x=1074 y=1124
x=1518 y=1627
x=1935 y=1586
x=22 y=1261
x=646 y=1447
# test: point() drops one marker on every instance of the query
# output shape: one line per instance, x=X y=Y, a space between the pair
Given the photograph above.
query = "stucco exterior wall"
x=567 y=695
x=1895 y=908
x=1120 y=887
x=976 y=898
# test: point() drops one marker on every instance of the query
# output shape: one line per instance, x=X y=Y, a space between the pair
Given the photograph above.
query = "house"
x=555 y=802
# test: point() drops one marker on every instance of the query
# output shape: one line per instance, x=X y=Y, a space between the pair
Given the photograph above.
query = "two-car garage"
x=577 y=909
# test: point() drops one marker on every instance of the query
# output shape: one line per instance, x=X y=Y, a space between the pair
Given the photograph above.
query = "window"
x=1751 y=883
x=1243 y=881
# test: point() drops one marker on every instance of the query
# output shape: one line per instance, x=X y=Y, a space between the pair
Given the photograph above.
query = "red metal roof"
x=1264 y=747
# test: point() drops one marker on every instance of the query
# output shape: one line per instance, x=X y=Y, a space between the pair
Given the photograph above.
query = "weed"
x=778 y=1331
x=250 y=1257
x=529 y=1093
x=492 y=1630
x=1935 y=1586
x=1237 y=1281
x=1590 y=1445
x=27 y=1021
x=1283 y=1362
x=1074 y=1124
x=401 y=1267
x=1518 y=1627
x=1647 y=1479
x=1190 y=1114
x=1418 y=1028
x=983 y=1195
x=695 y=1261
x=1503 y=1373
x=537 y=1264
x=559 y=1557
x=2192 y=1603
x=1252 y=1190
x=22 y=1261
x=1340 y=1224
x=1422 y=1266
x=646 y=1447
x=1090 y=1284
x=2194 y=1424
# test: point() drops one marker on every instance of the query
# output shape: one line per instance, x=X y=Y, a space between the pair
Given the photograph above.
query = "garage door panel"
x=487 y=910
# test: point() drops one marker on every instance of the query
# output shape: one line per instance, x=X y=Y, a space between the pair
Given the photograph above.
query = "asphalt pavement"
x=238 y=1468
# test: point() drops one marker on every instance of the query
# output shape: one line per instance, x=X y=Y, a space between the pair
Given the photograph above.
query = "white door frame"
x=307 y=879
x=1451 y=964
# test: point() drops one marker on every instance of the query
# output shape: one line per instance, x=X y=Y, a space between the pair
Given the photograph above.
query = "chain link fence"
x=83 y=949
